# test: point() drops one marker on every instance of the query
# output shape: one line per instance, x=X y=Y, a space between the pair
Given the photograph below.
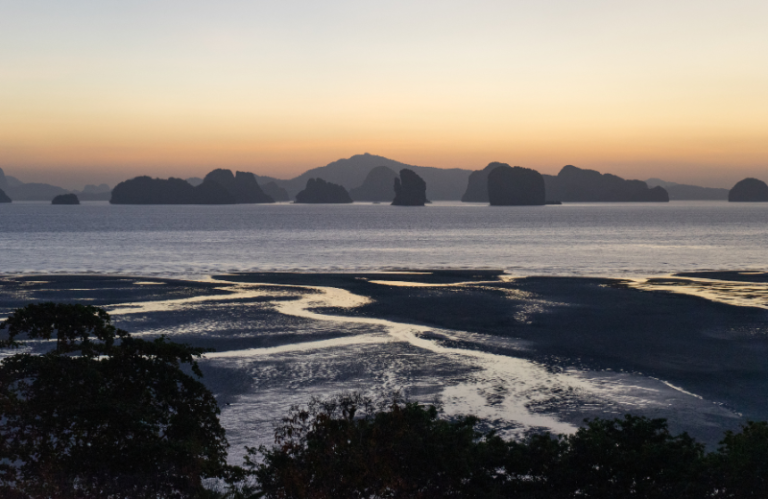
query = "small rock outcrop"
x=515 y=186
x=276 y=192
x=377 y=186
x=242 y=186
x=749 y=190
x=410 y=189
x=320 y=191
x=66 y=199
x=4 y=197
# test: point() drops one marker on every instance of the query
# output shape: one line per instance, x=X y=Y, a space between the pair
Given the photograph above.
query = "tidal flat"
x=522 y=353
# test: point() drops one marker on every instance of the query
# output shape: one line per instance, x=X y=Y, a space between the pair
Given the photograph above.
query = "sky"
x=100 y=91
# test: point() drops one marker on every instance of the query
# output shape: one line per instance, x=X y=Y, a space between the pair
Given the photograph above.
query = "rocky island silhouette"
x=749 y=190
x=242 y=186
x=574 y=184
x=410 y=189
x=65 y=199
x=514 y=186
x=318 y=191
x=219 y=187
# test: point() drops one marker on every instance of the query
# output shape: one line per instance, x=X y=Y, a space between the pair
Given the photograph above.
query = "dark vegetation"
x=410 y=189
x=102 y=414
x=66 y=199
x=105 y=415
x=749 y=190
x=320 y=191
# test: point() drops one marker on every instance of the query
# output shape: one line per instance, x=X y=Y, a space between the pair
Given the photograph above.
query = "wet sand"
x=522 y=353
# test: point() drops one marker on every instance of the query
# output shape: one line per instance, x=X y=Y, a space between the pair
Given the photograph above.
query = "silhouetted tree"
x=345 y=448
x=740 y=466
x=629 y=457
x=103 y=414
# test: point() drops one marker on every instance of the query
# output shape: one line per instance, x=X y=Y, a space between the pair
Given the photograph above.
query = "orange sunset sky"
x=95 y=92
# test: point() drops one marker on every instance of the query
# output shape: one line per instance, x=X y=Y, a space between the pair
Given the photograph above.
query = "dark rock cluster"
x=574 y=184
x=410 y=189
x=4 y=197
x=66 y=199
x=243 y=186
x=320 y=191
x=218 y=187
x=514 y=186
x=749 y=190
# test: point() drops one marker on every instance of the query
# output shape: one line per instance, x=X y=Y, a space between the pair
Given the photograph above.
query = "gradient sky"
x=99 y=91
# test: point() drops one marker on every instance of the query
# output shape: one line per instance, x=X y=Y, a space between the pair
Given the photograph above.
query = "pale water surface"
x=195 y=241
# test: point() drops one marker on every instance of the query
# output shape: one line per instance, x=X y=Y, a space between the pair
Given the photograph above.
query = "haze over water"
x=197 y=241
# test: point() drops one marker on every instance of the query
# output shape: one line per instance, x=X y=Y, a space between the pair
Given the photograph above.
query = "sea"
x=583 y=239
x=280 y=346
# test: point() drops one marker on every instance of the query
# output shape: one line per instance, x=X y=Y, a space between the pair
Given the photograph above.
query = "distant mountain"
x=477 y=185
x=34 y=192
x=685 y=192
x=276 y=192
x=194 y=181
x=92 y=192
x=378 y=186
x=4 y=197
x=20 y=191
x=442 y=184
x=13 y=181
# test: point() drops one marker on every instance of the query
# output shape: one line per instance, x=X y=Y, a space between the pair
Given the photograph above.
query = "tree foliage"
x=347 y=447
x=103 y=414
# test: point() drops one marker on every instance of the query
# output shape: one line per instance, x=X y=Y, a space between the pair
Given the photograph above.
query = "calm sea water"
x=572 y=239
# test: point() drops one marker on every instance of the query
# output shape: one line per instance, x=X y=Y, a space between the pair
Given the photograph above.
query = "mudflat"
x=523 y=353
